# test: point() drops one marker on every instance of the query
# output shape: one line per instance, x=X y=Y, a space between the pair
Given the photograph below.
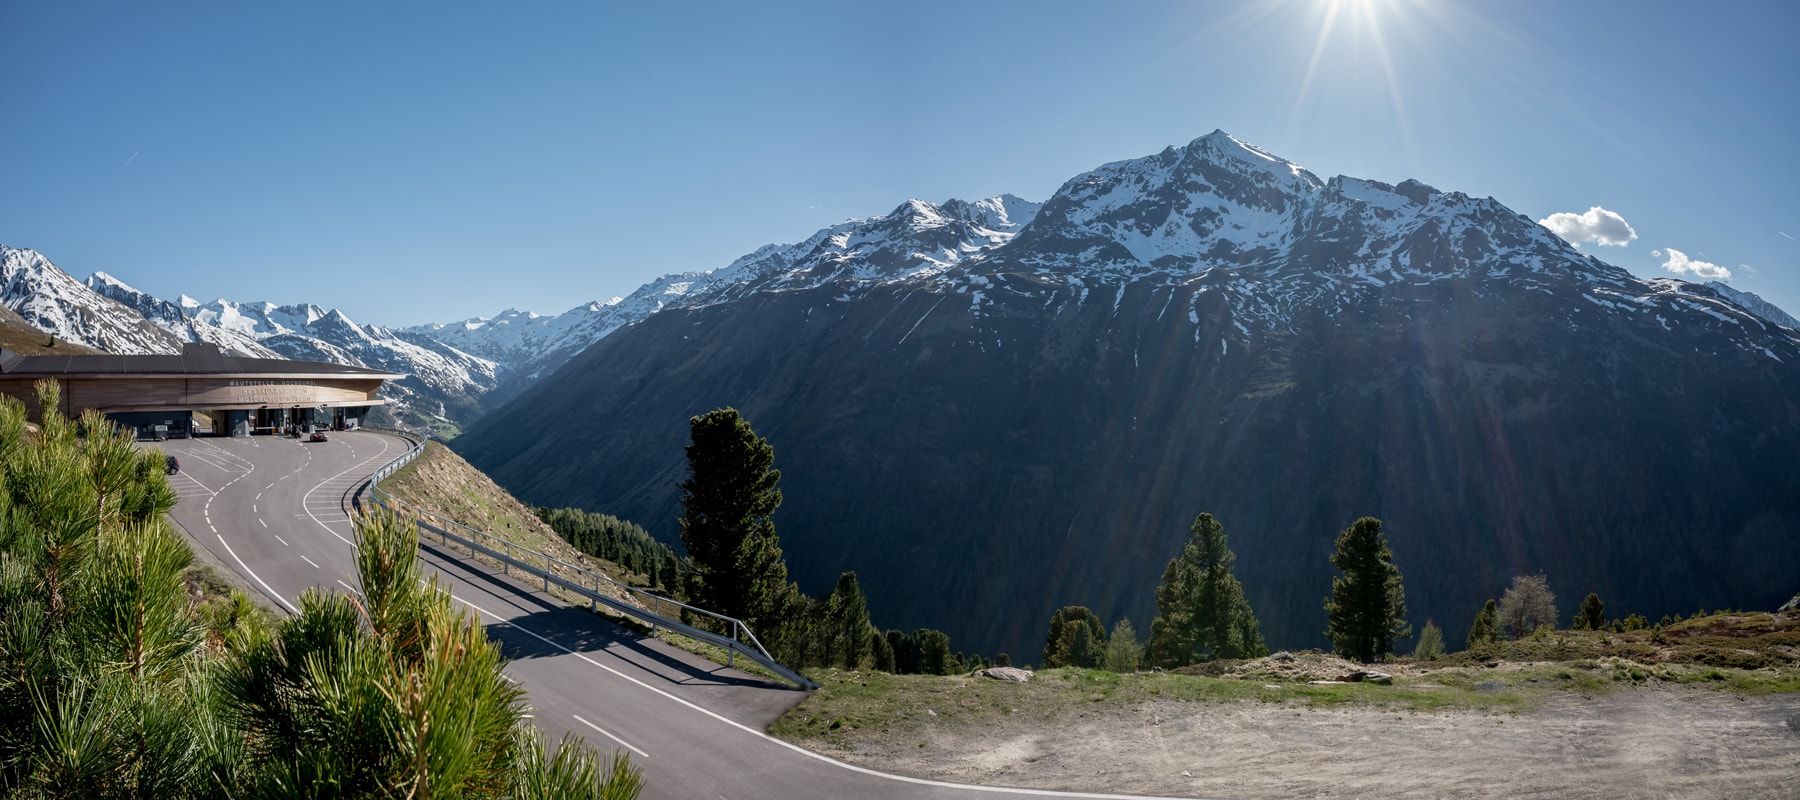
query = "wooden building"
x=202 y=391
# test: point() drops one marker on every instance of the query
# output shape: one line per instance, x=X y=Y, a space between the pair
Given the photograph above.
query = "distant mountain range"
x=990 y=409
x=107 y=314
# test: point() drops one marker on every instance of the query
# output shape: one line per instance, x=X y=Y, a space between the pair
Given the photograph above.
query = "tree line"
x=1202 y=614
x=619 y=541
x=735 y=566
x=116 y=682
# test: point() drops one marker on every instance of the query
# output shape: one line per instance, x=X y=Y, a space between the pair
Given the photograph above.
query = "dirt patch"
x=1659 y=741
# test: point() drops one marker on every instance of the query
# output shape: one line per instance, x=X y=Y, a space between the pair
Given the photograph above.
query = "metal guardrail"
x=579 y=580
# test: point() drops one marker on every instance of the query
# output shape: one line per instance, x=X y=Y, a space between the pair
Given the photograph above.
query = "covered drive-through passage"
x=199 y=392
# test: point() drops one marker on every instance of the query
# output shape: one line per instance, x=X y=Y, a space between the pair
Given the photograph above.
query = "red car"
x=317 y=436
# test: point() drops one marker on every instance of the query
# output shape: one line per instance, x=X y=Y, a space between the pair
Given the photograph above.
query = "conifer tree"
x=1486 y=628
x=114 y=683
x=1202 y=613
x=727 y=523
x=1366 y=611
x=1057 y=646
x=882 y=652
x=935 y=657
x=846 y=629
x=1122 y=650
x=1591 y=616
x=1077 y=647
x=1431 y=642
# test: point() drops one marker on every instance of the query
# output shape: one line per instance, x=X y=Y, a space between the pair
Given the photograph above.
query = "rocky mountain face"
x=1753 y=303
x=110 y=315
x=992 y=409
x=915 y=240
x=52 y=301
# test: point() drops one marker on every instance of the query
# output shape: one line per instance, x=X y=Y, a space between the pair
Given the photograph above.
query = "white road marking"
x=253 y=576
x=259 y=521
x=603 y=732
x=304 y=501
x=195 y=482
x=281 y=540
x=351 y=588
x=803 y=751
x=309 y=561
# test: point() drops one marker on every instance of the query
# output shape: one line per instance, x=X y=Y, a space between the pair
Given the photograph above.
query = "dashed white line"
x=309 y=561
x=281 y=540
x=259 y=521
x=607 y=734
x=351 y=588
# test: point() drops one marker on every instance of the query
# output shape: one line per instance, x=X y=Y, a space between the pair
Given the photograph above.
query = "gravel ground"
x=1650 y=742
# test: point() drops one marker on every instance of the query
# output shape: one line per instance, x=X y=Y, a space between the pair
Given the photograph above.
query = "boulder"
x=1008 y=674
x=1281 y=655
x=1789 y=606
x=1367 y=676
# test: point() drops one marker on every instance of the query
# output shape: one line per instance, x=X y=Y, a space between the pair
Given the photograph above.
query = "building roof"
x=195 y=359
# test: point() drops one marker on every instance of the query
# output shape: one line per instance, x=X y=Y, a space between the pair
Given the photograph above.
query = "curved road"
x=276 y=512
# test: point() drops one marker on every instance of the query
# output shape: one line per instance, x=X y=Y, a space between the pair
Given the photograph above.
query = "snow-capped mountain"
x=1753 y=303
x=107 y=314
x=173 y=317
x=51 y=300
x=916 y=240
x=969 y=409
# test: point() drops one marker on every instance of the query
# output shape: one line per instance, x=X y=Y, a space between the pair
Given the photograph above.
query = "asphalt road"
x=275 y=511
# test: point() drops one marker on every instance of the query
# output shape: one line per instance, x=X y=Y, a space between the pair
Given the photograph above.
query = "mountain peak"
x=1220 y=145
x=103 y=279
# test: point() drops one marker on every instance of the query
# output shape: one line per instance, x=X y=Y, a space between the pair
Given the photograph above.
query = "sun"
x=1361 y=21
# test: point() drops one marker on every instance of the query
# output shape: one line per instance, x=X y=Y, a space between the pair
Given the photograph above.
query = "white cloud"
x=1679 y=263
x=1593 y=225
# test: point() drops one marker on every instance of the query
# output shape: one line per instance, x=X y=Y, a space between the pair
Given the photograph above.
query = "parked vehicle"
x=171 y=465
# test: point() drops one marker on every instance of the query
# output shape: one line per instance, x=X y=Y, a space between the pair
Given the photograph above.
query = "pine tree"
x=1431 y=643
x=846 y=625
x=1078 y=648
x=1122 y=650
x=1591 y=616
x=116 y=683
x=1056 y=641
x=1202 y=613
x=1366 y=612
x=882 y=652
x=1486 y=628
x=727 y=523
x=935 y=657
x=906 y=652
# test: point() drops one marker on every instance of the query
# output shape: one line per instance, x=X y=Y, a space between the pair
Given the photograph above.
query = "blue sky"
x=420 y=162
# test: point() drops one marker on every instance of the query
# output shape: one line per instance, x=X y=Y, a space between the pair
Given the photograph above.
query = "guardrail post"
x=503 y=565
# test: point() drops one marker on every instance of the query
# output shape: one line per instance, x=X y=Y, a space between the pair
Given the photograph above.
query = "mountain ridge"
x=1196 y=330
